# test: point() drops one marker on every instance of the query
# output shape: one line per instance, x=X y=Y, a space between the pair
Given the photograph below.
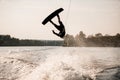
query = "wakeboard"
x=52 y=15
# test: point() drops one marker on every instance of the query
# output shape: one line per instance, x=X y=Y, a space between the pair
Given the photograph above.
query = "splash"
x=65 y=66
x=60 y=63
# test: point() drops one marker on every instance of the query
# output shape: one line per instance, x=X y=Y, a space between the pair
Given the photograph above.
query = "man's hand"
x=56 y=33
x=53 y=31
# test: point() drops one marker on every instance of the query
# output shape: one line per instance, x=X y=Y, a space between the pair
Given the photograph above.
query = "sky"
x=23 y=18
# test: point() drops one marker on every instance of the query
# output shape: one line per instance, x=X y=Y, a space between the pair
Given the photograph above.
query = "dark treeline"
x=97 y=40
x=7 y=40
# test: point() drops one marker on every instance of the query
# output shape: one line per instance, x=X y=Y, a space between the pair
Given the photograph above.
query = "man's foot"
x=58 y=17
x=51 y=21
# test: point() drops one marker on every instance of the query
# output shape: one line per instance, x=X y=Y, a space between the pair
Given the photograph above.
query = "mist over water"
x=59 y=63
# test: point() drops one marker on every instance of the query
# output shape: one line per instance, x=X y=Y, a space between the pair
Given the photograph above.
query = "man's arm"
x=55 y=33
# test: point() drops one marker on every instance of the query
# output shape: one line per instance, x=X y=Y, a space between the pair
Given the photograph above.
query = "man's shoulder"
x=61 y=22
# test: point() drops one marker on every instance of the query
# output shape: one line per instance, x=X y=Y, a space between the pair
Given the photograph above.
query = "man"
x=60 y=27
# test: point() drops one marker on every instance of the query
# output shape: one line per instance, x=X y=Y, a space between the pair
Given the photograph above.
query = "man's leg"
x=56 y=26
x=58 y=18
x=53 y=23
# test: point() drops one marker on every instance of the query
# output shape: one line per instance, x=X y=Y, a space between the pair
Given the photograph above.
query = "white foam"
x=57 y=63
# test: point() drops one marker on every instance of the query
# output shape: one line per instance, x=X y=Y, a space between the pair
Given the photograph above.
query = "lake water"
x=59 y=63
